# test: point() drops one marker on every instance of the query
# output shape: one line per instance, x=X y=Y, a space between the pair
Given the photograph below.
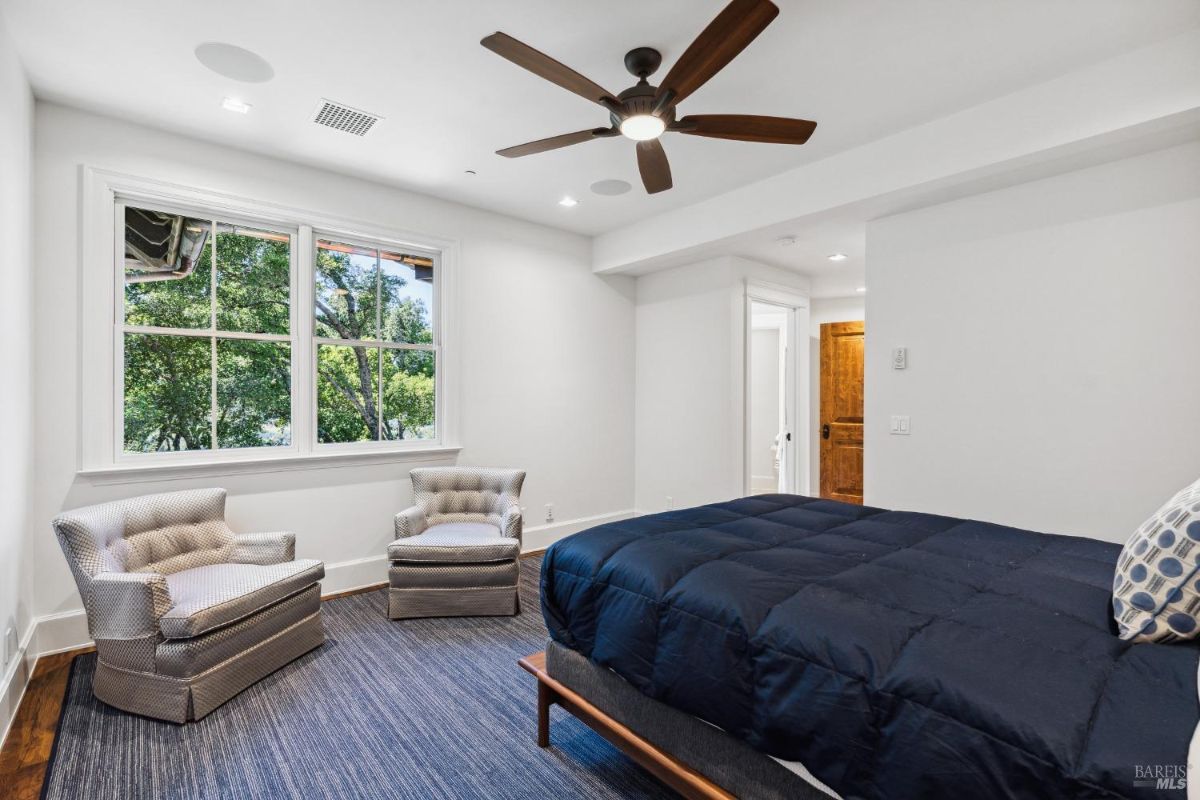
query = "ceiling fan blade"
x=553 y=143
x=546 y=67
x=726 y=36
x=653 y=164
x=747 y=128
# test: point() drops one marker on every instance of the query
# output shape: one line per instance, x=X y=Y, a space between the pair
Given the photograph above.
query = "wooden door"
x=842 y=411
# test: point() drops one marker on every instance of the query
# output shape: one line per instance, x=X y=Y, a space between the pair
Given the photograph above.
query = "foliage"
x=168 y=377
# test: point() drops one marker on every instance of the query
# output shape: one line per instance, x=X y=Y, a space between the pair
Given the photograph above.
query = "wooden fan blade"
x=653 y=164
x=747 y=128
x=552 y=143
x=546 y=67
x=718 y=44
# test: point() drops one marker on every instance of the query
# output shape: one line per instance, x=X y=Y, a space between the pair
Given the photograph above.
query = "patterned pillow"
x=1156 y=591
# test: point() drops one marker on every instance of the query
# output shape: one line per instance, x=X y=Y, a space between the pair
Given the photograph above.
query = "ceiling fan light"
x=642 y=127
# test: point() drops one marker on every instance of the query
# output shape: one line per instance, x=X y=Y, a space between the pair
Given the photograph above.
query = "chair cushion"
x=206 y=598
x=456 y=543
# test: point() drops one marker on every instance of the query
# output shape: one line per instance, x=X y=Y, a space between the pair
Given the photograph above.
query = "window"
x=206 y=334
x=240 y=332
x=375 y=348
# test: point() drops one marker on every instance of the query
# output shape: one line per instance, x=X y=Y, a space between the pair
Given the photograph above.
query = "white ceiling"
x=861 y=68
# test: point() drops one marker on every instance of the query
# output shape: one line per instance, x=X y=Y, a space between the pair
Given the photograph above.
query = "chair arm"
x=410 y=522
x=511 y=522
x=127 y=605
x=263 y=548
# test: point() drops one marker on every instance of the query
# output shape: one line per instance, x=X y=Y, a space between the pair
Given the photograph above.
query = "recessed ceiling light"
x=838 y=257
x=235 y=105
x=860 y=289
x=568 y=201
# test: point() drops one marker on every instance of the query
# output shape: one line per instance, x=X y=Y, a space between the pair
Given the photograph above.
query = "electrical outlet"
x=670 y=502
x=549 y=512
x=10 y=644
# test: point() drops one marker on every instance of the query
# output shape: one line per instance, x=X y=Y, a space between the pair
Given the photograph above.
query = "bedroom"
x=1015 y=188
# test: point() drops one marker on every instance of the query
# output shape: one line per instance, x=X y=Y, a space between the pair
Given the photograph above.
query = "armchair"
x=185 y=612
x=457 y=549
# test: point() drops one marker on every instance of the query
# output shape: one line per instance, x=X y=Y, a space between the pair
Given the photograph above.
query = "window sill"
x=143 y=473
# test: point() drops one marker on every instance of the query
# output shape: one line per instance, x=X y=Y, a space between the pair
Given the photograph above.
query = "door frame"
x=797 y=307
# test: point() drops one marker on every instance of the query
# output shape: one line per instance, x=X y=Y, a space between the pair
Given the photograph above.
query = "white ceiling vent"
x=343 y=118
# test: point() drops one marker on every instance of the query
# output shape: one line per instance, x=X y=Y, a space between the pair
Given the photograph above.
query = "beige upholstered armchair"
x=457 y=550
x=185 y=612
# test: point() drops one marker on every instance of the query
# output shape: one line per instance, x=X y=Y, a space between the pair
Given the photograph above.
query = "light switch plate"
x=900 y=425
x=10 y=644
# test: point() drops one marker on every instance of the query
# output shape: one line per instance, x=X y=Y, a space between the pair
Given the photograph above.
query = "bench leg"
x=545 y=699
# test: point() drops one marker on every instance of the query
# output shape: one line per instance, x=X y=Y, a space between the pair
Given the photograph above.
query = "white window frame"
x=102 y=330
x=320 y=234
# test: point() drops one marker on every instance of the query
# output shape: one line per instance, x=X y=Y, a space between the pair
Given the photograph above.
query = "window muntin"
x=375 y=344
x=207 y=350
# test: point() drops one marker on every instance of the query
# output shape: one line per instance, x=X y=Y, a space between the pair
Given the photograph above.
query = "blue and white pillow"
x=1156 y=591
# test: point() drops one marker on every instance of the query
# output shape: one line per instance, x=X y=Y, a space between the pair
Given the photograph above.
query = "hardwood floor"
x=27 y=749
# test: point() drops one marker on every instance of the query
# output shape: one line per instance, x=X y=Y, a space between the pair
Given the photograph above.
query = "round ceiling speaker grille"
x=611 y=187
x=234 y=62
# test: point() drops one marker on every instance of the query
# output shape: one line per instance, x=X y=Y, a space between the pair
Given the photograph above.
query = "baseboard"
x=16 y=679
x=67 y=630
x=539 y=537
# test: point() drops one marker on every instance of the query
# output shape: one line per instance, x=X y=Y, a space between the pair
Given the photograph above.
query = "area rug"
x=414 y=709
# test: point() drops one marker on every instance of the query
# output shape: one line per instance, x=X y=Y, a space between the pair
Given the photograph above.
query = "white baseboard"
x=539 y=537
x=67 y=630
x=16 y=679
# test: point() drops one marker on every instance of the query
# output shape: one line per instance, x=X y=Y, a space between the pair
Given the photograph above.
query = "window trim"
x=100 y=336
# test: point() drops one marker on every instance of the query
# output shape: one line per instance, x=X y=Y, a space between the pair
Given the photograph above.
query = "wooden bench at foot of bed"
x=664 y=766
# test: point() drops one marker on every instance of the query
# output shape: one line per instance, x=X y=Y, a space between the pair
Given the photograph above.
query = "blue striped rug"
x=416 y=709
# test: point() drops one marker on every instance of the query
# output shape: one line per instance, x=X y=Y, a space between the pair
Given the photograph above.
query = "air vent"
x=343 y=118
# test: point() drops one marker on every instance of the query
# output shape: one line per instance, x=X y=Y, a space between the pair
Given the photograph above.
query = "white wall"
x=690 y=367
x=547 y=357
x=824 y=309
x=1052 y=330
x=16 y=390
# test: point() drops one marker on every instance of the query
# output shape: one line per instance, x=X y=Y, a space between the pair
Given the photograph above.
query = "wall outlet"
x=670 y=503
x=549 y=512
x=899 y=358
x=10 y=644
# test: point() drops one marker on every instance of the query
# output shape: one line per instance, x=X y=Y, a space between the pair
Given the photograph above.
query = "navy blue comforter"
x=897 y=655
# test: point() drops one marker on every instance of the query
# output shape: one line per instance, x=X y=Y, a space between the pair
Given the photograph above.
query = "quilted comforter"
x=895 y=654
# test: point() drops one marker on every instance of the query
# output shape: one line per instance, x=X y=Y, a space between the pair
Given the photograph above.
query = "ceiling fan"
x=644 y=112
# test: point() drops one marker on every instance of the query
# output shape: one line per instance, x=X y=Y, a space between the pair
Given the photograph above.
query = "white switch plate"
x=900 y=425
x=899 y=357
x=10 y=644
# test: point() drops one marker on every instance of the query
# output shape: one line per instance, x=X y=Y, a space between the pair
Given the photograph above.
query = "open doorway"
x=775 y=453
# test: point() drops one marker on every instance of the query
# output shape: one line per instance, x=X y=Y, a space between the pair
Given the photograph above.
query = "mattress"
x=894 y=654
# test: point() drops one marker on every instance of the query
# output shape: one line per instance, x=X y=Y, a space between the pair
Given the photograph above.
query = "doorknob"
x=825 y=431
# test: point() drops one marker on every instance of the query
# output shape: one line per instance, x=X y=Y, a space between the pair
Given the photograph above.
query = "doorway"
x=842 y=352
x=775 y=386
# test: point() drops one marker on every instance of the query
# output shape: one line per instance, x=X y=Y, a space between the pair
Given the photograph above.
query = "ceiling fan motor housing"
x=639 y=101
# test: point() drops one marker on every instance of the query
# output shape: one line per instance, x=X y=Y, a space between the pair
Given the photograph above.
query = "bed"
x=794 y=644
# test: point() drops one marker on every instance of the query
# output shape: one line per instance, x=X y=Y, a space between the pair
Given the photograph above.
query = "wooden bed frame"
x=668 y=769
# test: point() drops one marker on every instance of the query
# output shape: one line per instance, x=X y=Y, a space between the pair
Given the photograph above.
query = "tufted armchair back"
x=158 y=533
x=466 y=494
